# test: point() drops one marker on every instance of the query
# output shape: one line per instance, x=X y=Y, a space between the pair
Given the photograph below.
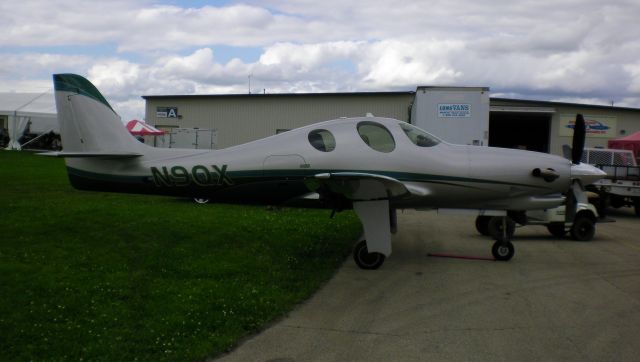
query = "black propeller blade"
x=579 y=134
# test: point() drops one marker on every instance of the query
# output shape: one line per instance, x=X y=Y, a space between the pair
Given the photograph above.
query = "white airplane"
x=373 y=165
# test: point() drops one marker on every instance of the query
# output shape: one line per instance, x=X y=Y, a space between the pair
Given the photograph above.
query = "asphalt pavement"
x=555 y=300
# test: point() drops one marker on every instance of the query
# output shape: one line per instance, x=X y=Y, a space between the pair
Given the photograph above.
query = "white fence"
x=188 y=138
x=607 y=156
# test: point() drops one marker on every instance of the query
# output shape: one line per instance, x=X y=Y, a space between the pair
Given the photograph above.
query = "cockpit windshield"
x=418 y=136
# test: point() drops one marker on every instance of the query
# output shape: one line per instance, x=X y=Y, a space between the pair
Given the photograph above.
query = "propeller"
x=579 y=134
x=577 y=147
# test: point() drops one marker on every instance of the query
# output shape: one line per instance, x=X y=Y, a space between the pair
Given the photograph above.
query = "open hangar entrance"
x=527 y=128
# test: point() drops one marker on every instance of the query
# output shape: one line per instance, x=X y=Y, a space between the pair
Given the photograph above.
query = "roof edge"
x=554 y=103
x=257 y=95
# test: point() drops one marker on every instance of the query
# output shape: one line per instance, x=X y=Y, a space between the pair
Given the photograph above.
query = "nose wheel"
x=503 y=250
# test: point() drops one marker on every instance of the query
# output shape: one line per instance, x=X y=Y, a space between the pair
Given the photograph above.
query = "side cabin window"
x=376 y=136
x=322 y=140
x=418 y=136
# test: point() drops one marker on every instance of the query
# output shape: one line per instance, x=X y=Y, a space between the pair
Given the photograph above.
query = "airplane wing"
x=370 y=194
x=357 y=186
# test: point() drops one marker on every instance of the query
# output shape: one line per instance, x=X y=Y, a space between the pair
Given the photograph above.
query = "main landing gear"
x=364 y=259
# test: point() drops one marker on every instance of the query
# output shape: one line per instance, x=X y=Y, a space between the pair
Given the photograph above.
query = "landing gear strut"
x=503 y=249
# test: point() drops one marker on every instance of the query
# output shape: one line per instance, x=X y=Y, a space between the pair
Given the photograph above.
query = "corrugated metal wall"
x=240 y=119
x=243 y=118
x=627 y=120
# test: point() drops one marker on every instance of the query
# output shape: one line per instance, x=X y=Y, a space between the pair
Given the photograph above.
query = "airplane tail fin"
x=88 y=124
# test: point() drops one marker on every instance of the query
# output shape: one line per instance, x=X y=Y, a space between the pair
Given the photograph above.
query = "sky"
x=581 y=51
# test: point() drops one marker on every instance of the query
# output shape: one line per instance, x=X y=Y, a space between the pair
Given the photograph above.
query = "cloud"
x=64 y=22
x=238 y=25
x=633 y=71
x=31 y=72
x=115 y=75
x=389 y=64
x=561 y=49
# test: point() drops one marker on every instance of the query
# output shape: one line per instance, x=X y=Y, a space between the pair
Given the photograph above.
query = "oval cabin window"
x=376 y=136
x=322 y=140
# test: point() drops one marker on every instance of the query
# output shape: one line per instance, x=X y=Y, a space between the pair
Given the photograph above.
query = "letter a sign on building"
x=167 y=112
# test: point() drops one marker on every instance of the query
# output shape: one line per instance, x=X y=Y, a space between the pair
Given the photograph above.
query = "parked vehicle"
x=581 y=228
x=621 y=187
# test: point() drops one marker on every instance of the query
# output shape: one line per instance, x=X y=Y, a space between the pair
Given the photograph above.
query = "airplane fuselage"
x=276 y=169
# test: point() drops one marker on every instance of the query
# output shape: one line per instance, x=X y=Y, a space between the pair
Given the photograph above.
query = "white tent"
x=36 y=110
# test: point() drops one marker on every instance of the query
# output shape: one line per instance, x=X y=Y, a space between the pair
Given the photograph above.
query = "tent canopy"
x=139 y=128
x=630 y=142
x=28 y=104
x=34 y=110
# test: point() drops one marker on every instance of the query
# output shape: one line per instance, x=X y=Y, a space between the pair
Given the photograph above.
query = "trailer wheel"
x=636 y=204
x=583 y=228
x=557 y=229
x=482 y=225
x=616 y=201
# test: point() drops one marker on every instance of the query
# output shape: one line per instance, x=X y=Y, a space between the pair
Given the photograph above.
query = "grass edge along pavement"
x=103 y=276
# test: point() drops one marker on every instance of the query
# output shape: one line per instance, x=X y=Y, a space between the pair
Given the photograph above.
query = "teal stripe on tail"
x=77 y=84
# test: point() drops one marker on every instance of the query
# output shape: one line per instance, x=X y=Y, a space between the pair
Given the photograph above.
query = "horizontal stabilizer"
x=92 y=154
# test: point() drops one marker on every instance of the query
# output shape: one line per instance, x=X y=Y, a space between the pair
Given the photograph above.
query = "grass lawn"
x=99 y=276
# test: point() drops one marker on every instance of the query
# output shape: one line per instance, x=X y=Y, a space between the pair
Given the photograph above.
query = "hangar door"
x=517 y=127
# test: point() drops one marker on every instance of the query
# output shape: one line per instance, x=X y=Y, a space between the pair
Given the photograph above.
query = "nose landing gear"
x=503 y=249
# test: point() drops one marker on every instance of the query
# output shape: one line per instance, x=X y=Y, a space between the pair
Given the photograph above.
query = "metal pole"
x=26 y=143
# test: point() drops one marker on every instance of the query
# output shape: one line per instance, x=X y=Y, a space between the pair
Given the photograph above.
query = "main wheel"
x=482 y=225
x=503 y=251
x=495 y=227
x=583 y=228
x=557 y=229
x=364 y=259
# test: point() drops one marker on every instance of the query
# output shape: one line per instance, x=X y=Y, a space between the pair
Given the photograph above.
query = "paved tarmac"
x=555 y=300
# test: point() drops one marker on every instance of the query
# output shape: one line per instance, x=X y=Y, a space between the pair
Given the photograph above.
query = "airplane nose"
x=586 y=173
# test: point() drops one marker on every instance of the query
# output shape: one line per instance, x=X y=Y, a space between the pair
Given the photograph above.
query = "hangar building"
x=465 y=115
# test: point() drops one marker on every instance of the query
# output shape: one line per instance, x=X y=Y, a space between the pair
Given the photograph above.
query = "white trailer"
x=458 y=115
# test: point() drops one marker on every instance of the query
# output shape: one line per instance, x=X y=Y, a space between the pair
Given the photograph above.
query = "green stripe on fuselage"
x=108 y=177
x=293 y=174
